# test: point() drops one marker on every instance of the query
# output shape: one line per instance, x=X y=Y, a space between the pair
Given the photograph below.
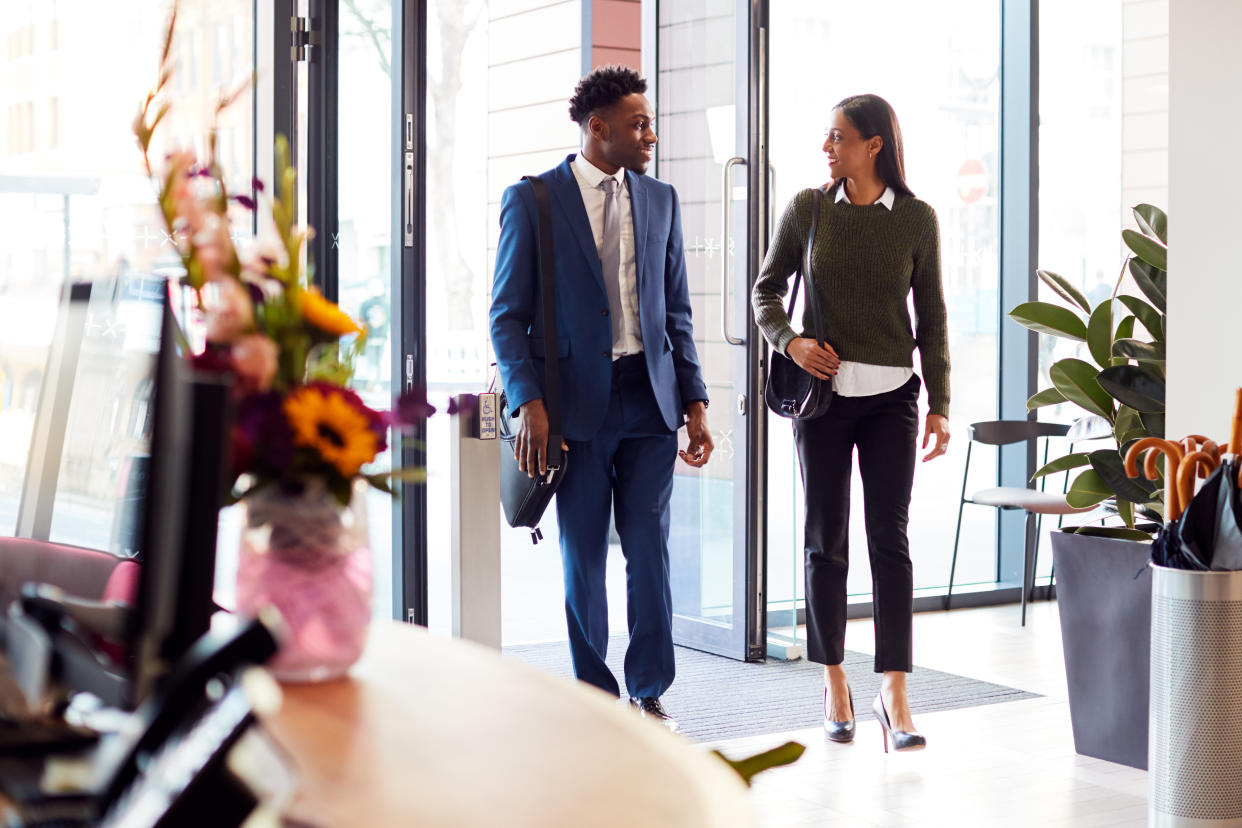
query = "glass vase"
x=309 y=557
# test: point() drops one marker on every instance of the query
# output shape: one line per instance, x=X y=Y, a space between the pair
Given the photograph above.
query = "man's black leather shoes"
x=650 y=708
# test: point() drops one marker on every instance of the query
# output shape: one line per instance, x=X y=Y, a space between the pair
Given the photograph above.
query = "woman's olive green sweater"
x=867 y=260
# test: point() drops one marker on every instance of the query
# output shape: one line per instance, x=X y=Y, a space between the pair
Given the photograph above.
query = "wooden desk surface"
x=432 y=731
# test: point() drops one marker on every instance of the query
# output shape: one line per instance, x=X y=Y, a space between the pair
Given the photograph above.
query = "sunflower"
x=325 y=315
x=327 y=422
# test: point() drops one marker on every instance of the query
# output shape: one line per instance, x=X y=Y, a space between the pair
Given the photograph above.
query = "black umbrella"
x=1208 y=534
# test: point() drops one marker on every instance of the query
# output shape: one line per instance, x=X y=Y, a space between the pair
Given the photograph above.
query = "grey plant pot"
x=1104 y=599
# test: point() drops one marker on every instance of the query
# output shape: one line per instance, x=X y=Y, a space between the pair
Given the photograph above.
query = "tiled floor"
x=1005 y=765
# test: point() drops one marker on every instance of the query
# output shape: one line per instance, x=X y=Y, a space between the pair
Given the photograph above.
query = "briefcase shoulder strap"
x=807 y=269
x=547 y=289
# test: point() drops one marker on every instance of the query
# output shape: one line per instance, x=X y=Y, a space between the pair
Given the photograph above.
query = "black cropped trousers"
x=885 y=429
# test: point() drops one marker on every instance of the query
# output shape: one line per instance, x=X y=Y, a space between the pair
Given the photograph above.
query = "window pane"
x=499 y=79
x=1080 y=184
x=940 y=71
x=364 y=232
x=77 y=196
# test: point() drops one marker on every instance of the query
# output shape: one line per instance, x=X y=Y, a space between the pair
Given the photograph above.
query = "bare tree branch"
x=380 y=38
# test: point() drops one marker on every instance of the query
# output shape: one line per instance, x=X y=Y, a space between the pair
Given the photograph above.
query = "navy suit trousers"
x=628 y=465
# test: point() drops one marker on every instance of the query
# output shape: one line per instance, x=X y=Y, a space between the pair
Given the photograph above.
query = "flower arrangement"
x=290 y=350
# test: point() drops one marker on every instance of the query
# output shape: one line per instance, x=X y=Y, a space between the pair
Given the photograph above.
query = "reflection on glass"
x=697 y=123
x=75 y=193
x=940 y=71
x=499 y=77
x=363 y=236
x=1080 y=208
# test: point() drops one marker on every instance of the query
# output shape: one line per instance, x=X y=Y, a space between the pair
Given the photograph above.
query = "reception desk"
x=433 y=731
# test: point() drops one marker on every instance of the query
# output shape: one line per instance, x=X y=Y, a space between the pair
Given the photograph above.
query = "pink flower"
x=230 y=312
x=213 y=247
x=254 y=359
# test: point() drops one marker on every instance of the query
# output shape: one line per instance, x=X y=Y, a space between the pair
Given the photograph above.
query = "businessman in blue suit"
x=630 y=373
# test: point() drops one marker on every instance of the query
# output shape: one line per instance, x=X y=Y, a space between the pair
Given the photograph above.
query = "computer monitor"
x=167 y=454
x=187 y=478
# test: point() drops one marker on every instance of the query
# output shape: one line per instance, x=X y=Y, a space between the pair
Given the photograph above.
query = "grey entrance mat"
x=716 y=698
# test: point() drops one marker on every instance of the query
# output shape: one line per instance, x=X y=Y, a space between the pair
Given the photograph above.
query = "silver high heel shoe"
x=839 y=731
x=901 y=739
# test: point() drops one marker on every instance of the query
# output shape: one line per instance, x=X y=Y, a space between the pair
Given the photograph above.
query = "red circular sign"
x=972 y=181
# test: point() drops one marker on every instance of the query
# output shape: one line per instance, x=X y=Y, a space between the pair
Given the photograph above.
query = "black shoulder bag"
x=524 y=497
x=790 y=391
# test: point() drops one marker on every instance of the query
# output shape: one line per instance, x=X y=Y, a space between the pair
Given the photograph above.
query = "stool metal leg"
x=1028 y=573
x=957 y=535
x=948 y=597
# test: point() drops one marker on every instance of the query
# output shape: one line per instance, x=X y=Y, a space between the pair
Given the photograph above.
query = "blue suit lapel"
x=638 y=211
x=568 y=196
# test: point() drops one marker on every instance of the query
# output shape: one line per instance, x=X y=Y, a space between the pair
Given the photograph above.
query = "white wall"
x=1145 y=106
x=1205 y=215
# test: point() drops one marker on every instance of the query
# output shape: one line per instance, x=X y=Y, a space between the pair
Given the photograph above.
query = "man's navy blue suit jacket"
x=584 y=330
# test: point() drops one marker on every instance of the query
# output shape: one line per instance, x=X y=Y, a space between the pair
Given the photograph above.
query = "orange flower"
x=329 y=424
x=325 y=315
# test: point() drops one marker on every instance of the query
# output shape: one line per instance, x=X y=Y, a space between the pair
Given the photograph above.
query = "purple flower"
x=245 y=201
x=213 y=360
x=257 y=184
x=412 y=408
x=467 y=405
x=261 y=437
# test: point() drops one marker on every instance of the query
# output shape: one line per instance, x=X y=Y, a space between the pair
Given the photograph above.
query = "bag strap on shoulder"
x=812 y=295
x=547 y=289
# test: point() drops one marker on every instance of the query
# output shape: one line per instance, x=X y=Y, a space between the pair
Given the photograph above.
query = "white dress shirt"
x=861 y=379
x=589 y=178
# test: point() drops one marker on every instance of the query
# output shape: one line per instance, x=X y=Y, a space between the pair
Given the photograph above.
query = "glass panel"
x=697 y=122
x=1080 y=179
x=500 y=76
x=364 y=231
x=940 y=71
x=76 y=194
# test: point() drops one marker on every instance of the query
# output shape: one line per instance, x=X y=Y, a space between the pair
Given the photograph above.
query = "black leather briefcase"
x=525 y=498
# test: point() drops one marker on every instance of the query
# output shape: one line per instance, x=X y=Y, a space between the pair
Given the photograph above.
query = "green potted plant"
x=1103 y=589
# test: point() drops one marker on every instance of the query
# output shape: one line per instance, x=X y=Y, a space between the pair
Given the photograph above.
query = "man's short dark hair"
x=603 y=88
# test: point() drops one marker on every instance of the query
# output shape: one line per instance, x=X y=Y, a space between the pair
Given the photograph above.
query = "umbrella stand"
x=1195 y=717
x=1195 y=712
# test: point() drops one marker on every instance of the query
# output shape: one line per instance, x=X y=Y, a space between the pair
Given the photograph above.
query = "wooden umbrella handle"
x=1136 y=451
x=1193 y=442
x=1188 y=470
x=1235 y=436
x=1173 y=460
x=1213 y=449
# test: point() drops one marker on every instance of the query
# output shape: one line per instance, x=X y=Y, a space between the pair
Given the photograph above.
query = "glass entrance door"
x=702 y=91
x=940 y=71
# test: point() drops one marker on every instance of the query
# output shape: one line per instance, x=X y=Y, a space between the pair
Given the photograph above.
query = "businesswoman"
x=875 y=244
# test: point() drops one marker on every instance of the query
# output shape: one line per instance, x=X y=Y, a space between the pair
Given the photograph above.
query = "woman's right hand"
x=810 y=357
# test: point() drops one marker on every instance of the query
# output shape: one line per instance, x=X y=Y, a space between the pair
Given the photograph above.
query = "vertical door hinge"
x=303 y=37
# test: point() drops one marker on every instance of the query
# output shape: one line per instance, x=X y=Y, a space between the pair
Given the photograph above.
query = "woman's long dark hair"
x=871 y=115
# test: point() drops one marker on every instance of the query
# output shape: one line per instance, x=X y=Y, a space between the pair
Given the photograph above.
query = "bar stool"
x=1035 y=502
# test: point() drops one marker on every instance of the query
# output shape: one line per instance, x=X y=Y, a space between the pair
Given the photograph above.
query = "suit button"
x=604 y=312
x=606 y=353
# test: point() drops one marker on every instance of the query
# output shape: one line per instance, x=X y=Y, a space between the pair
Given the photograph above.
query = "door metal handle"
x=409 y=199
x=771 y=201
x=726 y=288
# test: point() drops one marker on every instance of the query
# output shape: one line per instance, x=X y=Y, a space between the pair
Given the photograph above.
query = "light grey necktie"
x=610 y=253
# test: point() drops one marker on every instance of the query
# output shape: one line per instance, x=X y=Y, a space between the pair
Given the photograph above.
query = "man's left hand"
x=937 y=425
x=700 y=448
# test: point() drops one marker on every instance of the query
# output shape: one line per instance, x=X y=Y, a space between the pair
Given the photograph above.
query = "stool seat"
x=1032 y=500
x=1035 y=502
